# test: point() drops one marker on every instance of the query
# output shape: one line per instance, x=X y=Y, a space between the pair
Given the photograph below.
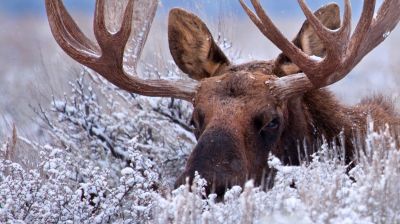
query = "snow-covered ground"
x=82 y=151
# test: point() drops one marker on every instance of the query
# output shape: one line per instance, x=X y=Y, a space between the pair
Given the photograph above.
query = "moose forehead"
x=240 y=83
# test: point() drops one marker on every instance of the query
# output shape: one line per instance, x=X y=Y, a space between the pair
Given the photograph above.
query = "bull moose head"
x=243 y=112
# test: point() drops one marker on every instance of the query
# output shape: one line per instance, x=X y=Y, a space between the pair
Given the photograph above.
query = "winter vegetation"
x=113 y=158
x=91 y=153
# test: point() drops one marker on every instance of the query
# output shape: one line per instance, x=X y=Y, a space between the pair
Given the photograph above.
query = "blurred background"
x=33 y=68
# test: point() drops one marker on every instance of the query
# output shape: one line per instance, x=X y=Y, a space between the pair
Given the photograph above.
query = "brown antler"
x=342 y=51
x=107 y=58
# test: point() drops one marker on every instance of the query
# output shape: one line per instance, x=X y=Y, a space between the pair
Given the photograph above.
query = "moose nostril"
x=218 y=159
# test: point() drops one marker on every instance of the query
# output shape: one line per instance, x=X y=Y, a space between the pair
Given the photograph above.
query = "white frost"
x=386 y=34
x=316 y=58
x=127 y=171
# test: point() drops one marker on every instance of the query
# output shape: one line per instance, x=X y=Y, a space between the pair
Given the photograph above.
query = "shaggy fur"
x=239 y=121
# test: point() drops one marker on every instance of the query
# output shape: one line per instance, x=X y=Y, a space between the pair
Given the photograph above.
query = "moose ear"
x=308 y=40
x=193 y=47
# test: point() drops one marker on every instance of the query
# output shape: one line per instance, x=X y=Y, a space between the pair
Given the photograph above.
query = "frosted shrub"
x=323 y=192
x=109 y=153
x=111 y=157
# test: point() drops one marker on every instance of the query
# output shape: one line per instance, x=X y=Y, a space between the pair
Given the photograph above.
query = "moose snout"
x=218 y=159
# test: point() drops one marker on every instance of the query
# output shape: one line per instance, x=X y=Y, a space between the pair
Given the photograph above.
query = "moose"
x=244 y=112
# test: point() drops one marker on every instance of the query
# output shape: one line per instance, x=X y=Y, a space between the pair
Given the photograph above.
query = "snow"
x=316 y=58
x=127 y=171
x=386 y=34
x=79 y=179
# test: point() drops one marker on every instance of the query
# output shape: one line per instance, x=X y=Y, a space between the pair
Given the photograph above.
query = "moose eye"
x=273 y=124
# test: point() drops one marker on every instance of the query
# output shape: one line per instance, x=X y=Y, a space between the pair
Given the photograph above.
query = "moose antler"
x=107 y=58
x=343 y=50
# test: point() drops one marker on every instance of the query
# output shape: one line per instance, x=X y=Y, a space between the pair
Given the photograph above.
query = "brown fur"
x=238 y=121
x=238 y=116
x=189 y=36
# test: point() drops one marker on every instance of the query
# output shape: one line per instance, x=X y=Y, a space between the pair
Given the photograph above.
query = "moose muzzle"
x=218 y=158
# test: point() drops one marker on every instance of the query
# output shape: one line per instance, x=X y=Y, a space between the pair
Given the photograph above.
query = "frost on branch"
x=109 y=152
x=111 y=157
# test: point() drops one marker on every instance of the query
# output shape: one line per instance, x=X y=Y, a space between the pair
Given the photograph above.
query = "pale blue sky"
x=276 y=8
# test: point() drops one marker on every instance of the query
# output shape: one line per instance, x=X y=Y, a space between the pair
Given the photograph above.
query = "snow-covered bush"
x=112 y=157
x=323 y=192
x=109 y=151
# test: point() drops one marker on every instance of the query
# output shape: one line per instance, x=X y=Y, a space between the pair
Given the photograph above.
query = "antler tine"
x=112 y=45
x=335 y=42
x=362 y=27
x=342 y=52
x=103 y=36
x=109 y=62
x=126 y=27
x=326 y=35
x=99 y=24
x=387 y=18
x=344 y=31
x=368 y=34
x=70 y=26
x=268 y=28
x=67 y=33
